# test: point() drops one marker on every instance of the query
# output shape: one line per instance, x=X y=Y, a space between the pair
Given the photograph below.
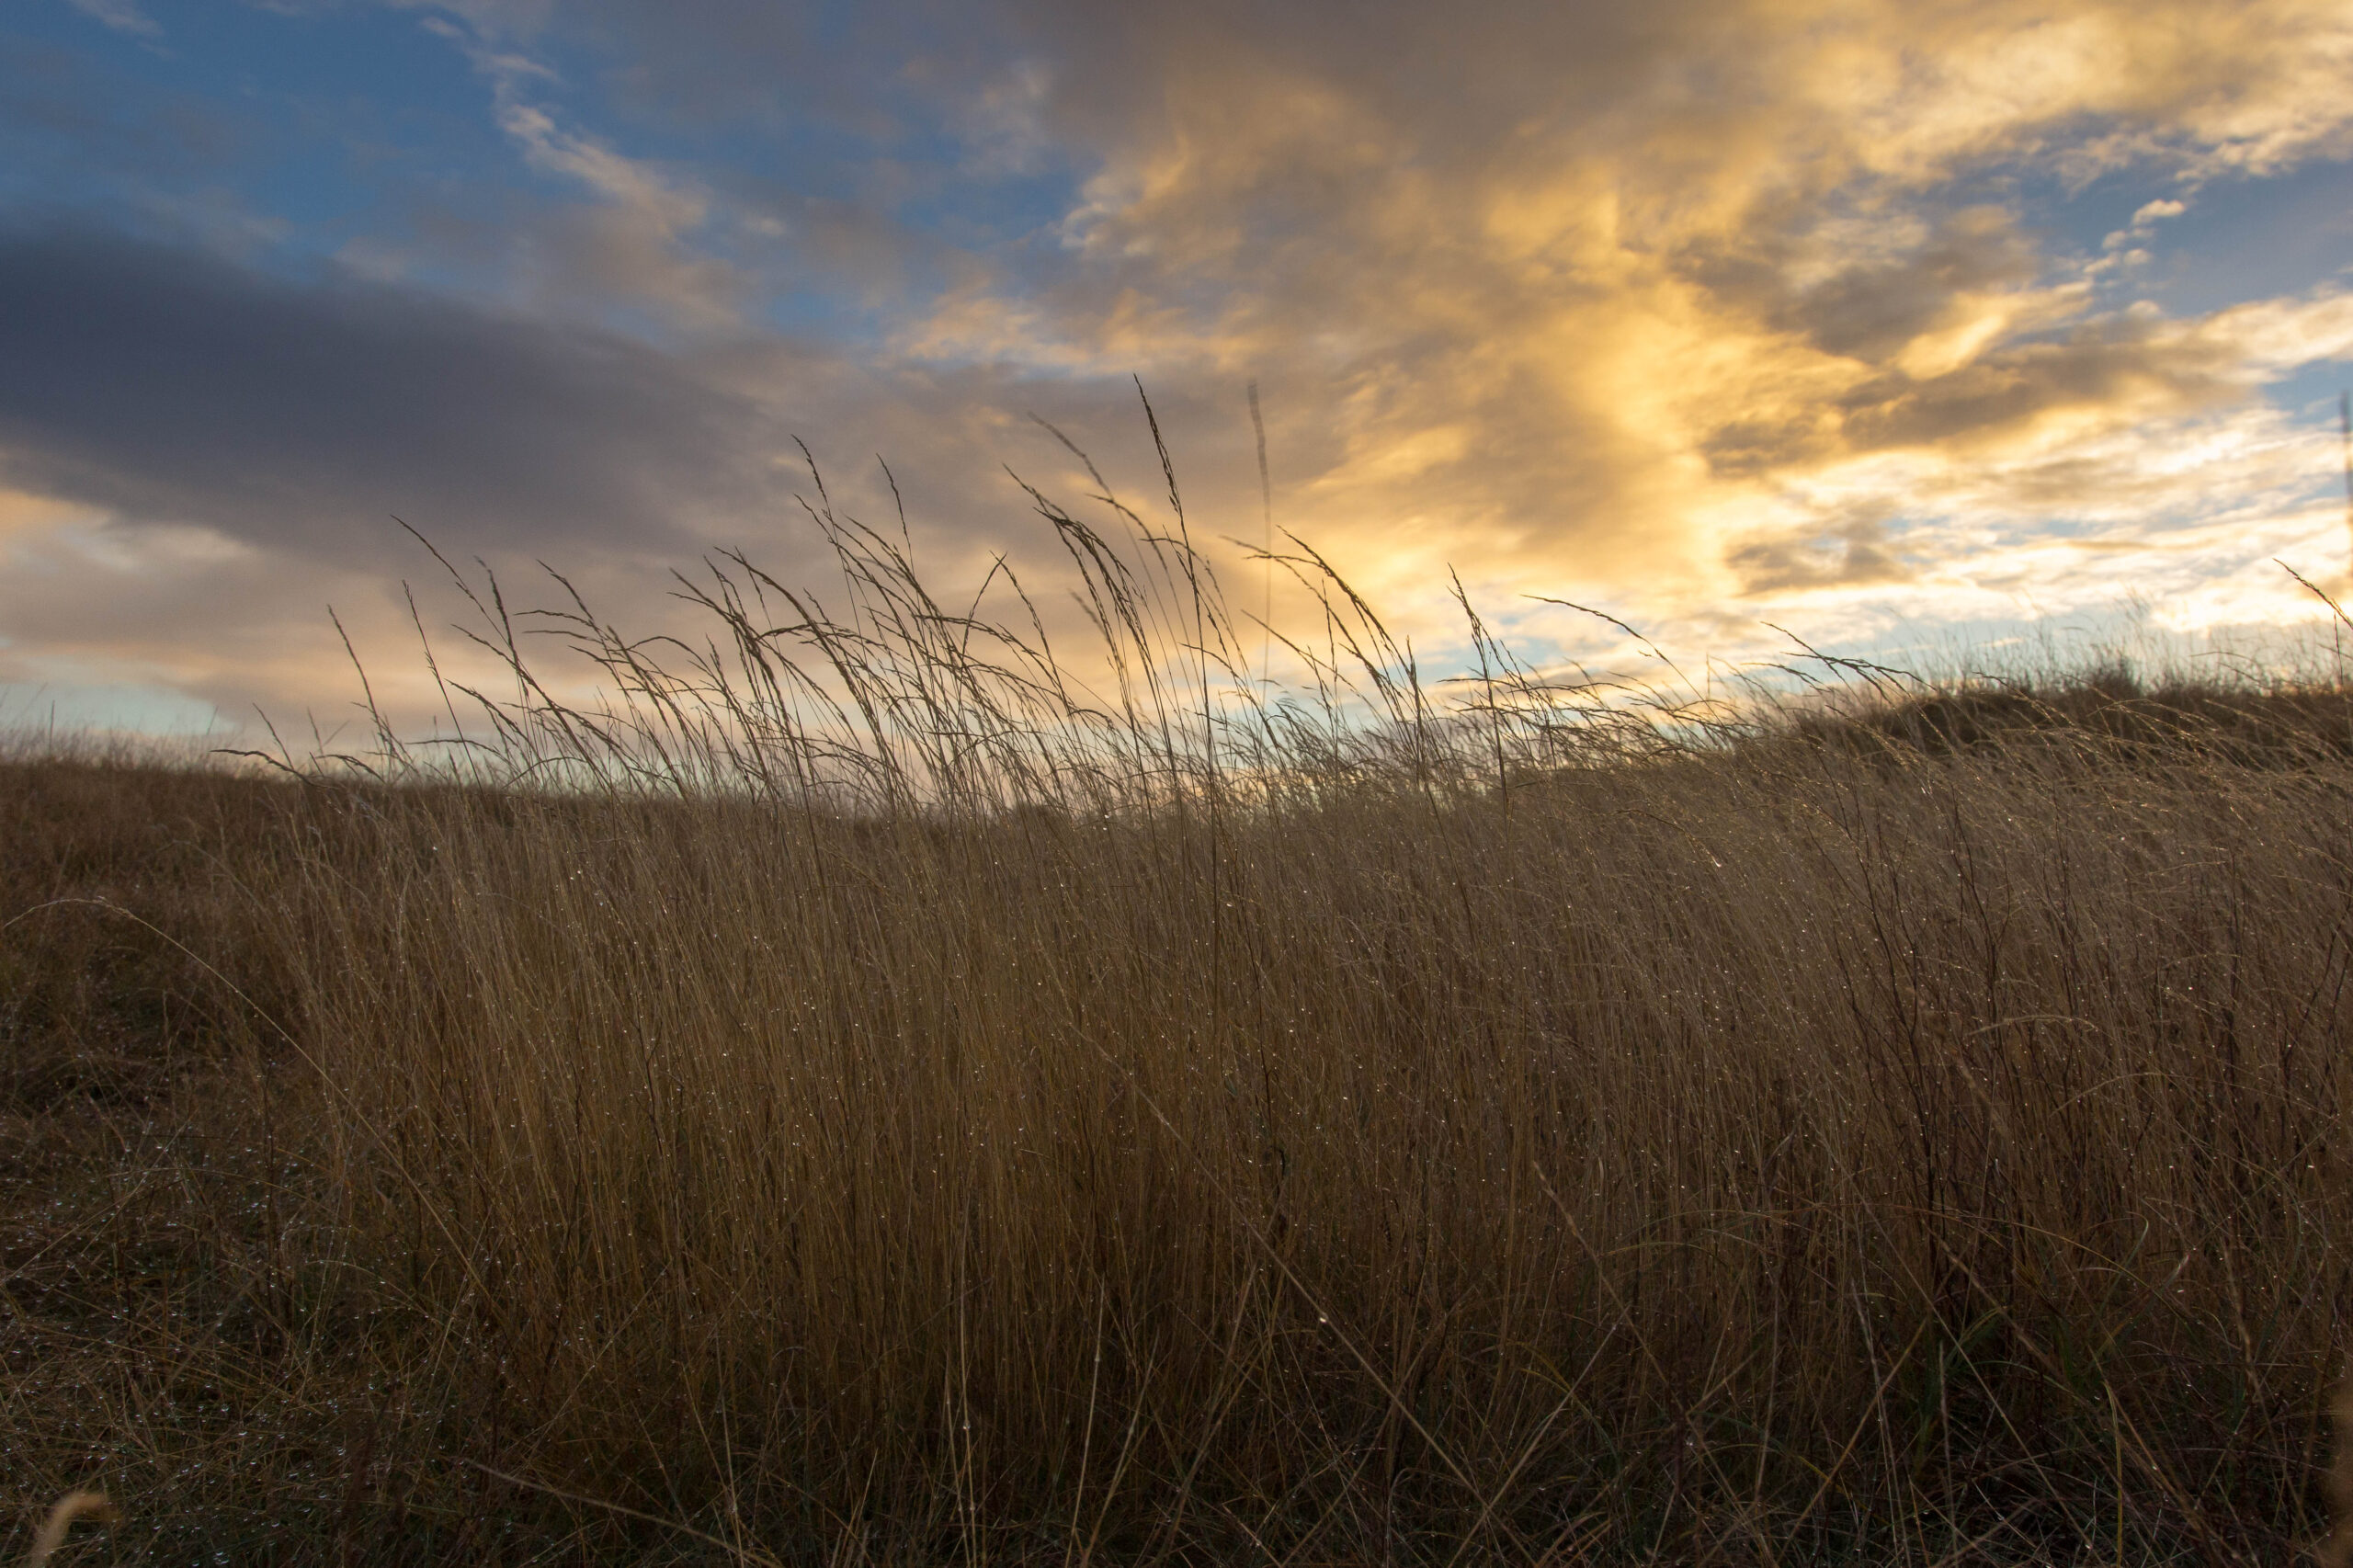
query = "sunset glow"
x=1902 y=327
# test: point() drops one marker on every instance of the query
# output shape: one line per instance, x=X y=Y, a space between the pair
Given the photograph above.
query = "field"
x=1903 y=1126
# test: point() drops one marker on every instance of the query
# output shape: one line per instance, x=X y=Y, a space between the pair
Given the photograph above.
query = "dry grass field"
x=995 y=1119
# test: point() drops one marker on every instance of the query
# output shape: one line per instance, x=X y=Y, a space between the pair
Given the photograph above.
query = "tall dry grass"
x=868 y=1092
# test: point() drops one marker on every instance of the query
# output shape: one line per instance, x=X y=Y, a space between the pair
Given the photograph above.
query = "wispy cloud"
x=122 y=16
x=637 y=243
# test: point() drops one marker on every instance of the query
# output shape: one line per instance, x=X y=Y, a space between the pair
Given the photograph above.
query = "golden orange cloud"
x=1691 y=328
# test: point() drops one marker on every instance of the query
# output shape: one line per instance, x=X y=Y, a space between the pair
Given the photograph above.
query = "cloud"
x=1589 y=292
x=170 y=385
x=1711 y=310
x=2143 y=227
x=122 y=16
x=197 y=458
x=636 y=242
x=1853 y=553
x=2109 y=372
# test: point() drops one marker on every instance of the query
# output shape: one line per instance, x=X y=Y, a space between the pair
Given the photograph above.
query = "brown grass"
x=984 y=1118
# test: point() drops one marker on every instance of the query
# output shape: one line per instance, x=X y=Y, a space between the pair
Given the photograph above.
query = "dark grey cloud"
x=170 y=385
x=2111 y=363
x=1852 y=553
x=1870 y=311
x=2096 y=369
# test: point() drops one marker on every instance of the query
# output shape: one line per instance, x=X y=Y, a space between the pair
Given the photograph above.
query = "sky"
x=1911 y=329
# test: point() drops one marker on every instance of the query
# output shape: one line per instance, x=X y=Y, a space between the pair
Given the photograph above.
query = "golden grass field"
x=994 y=1121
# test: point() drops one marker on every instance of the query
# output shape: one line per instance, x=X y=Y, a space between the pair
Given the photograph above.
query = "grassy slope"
x=1917 y=1140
